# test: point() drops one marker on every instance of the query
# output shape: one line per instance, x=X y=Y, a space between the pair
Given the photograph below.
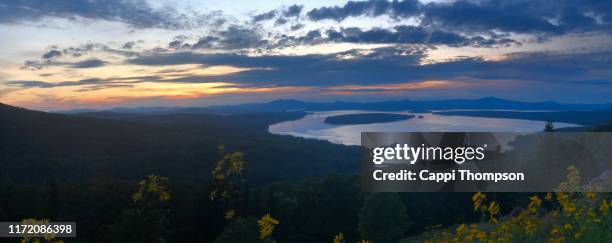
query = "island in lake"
x=365 y=118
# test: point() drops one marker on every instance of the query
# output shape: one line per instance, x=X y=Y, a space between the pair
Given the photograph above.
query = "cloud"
x=293 y=11
x=58 y=57
x=371 y=71
x=51 y=54
x=264 y=16
x=90 y=63
x=280 y=21
x=37 y=65
x=409 y=35
x=382 y=65
x=540 y=17
x=129 y=45
x=371 y=8
x=239 y=37
x=394 y=88
x=390 y=65
x=297 y=27
x=486 y=16
x=137 y=13
x=234 y=37
x=87 y=48
x=41 y=84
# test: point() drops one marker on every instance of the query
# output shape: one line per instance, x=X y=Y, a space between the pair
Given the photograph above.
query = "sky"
x=94 y=54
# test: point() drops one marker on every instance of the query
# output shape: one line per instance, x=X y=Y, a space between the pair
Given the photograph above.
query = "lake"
x=313 y=126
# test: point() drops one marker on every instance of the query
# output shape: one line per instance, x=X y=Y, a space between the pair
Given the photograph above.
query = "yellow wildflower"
x=155 y=185
x=548 y=196
x=534 y=204
x=461 y=229
x=591 y=195
x=493 y=208
x=477 y=199
x=577 y=236
x=567 y=226
x=339 y=238
x=230 y=214
x=481 y=235
x=555 y=213
x=604 y=207
x=266 y=225
x=212 y=195
x=555 y=230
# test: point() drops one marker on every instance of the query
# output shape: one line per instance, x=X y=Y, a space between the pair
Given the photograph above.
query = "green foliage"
x=148 y=220
x=383 y=218
x=229 y=187
x=312 y=210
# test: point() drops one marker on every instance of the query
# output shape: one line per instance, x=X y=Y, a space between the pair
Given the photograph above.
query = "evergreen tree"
x=242 y=230
x=383 y=218
x=549 y=127
x=54 y=203
x=148 y=220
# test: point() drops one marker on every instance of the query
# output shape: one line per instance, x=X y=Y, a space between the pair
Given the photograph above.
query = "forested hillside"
x=35 y=145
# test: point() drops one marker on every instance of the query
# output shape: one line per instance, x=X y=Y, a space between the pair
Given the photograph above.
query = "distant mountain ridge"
x=393 y=105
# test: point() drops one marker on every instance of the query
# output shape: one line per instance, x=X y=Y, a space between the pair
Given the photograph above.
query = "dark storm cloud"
x=137 y=13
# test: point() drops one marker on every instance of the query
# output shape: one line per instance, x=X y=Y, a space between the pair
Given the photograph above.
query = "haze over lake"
x=313 y=126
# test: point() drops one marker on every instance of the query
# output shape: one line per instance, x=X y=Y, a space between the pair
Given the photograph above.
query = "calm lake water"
x=313 y=126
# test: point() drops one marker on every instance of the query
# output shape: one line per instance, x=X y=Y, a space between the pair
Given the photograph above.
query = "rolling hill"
x=35 y=145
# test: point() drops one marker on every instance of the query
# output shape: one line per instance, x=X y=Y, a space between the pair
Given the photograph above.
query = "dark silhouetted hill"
x=35 y=145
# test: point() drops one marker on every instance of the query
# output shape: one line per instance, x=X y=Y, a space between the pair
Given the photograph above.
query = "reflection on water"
x=313 y=126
